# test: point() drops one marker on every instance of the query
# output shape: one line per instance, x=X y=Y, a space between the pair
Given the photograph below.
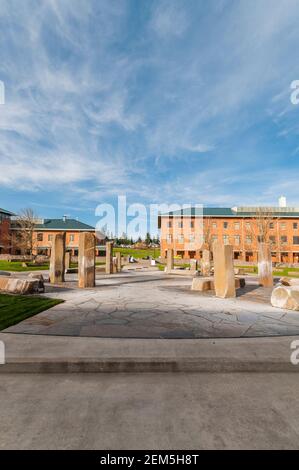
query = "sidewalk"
x=50 y=354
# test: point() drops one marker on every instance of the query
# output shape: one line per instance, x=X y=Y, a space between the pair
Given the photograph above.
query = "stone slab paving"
x=151 y=304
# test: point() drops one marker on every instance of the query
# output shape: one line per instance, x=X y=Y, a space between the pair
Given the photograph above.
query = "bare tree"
x=207 y=234
x=24 y=231
x=263 y=220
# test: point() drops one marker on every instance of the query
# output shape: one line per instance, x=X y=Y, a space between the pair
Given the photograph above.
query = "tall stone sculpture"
x=86 y=260
x=109 y=257
x=224 y=276
x=265 y=265
x=118 y=261
x=57 y=260
x=206 y=263
x=170 y=260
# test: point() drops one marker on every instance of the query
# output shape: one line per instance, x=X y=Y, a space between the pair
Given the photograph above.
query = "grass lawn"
x=17 y=266
x=288 y=272
x=138 y=253
x=15 y=308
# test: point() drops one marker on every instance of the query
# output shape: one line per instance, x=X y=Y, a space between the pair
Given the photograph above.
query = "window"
x=40 y=237
x=296 y=240
x=192 y=237
x=295 y=225
x=214 y=225
x=247 y=226
x=226 y=239
x=50 y=238
x=237 y=225
x=192 y=224
x=72 y=237
x=214 y=238
x=180 y=224
x=272 y=239
x=169 y=238
x=283 y=226
x=248 y=239
x=237 y=239
x=271 y=225
x=225 y=224
x=181 y=239
x=284 y=240
x=169 y=224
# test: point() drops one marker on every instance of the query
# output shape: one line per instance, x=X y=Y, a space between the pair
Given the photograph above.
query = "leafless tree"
x=24 y=231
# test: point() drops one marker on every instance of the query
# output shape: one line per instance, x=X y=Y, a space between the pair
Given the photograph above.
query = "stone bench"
x=15 y=285
x=202 y=284
x=286 y=297
x=182 y=272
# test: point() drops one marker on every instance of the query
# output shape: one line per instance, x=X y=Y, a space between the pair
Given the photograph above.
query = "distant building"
x=242 y=227
x=5 y=218
x=45 y=229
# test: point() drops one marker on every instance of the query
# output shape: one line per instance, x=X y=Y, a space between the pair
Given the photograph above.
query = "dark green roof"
x=63 y=224
x=226 y=212
x=3 y=211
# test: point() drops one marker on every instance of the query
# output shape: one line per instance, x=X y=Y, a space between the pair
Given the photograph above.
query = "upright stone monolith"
x=109 y=257
x=265 y=265
x=170 y=262
x=206 y=263
x=224 y=276
x=67 y=260
x=86 y=260
x=118 y=261
x=193 y=265
x=57 y=261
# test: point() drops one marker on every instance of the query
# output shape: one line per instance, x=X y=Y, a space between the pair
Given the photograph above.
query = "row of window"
x=237 y=239
x=236 y=225
x=40 y=237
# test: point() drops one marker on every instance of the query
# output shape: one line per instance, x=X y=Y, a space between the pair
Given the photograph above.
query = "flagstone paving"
x=151 y=304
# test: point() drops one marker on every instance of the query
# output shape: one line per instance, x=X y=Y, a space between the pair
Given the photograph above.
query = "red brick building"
x=238 y=226
x=5 y=218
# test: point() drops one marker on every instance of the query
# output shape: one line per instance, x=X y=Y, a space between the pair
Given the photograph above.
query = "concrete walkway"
x=148 y=303
x=149 y=411
x=29 y=353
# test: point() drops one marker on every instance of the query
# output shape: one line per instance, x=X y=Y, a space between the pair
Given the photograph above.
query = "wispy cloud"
x=152 y=99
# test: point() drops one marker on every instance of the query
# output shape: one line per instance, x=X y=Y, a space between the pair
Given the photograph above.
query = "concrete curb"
x=25 y=353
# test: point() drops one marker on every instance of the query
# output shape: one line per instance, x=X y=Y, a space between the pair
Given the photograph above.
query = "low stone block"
x=5 y=273
x=41 y=281
x=286 y=297
x=289 y=281
x=201 y=284
x=14 y=285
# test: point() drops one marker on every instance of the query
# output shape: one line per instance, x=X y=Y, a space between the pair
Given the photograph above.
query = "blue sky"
x=164 y=101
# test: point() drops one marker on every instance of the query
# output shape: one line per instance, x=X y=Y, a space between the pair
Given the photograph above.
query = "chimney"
x=64 y=218
x=282 y=201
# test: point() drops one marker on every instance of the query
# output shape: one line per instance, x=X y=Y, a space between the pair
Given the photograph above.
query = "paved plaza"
x=147 y=303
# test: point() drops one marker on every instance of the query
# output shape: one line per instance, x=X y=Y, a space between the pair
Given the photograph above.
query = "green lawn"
x=138 y=253
x=17 y=266
x=15 y=308
x=288 y=272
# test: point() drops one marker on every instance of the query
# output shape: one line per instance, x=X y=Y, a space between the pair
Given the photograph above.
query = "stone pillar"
x=86 y=260
x=118 y=261
x=265 y=265
x=224 y=275
x=206 y=263
x=68 y=260
x=57 y=261
x=193 y=265
x=170 y=263
x=109 y=257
